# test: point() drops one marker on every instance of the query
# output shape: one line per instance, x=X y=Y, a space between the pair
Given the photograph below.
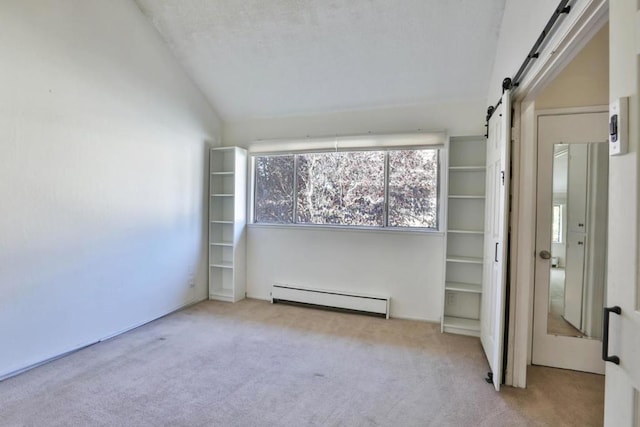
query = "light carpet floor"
x=257 y=364
x=556 y=325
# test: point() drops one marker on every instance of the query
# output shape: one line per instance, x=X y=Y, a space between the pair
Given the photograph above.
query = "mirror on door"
x=578 y=277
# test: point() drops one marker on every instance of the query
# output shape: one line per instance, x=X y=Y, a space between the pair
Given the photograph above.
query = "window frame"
x=440 y=177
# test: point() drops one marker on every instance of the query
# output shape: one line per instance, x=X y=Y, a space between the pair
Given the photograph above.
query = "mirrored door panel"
x=577 y=277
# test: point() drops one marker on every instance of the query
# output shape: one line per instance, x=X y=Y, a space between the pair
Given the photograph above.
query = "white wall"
x=522 y=23
x=406 y=266
x=462 y=118
x=102 y=148
x=584 y=81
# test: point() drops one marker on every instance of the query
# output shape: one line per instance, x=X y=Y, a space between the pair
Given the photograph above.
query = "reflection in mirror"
x=578 y=240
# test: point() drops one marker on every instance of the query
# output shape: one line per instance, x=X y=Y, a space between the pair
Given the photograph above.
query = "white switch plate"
x=619 y=142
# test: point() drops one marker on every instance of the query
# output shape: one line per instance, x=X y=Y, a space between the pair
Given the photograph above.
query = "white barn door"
x=622 y=379
x=495 y=238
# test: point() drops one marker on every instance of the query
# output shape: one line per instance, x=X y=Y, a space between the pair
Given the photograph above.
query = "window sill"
x=343 y=228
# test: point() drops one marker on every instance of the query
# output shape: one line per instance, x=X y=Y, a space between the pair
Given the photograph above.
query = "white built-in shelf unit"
x=464 y=236
x=227 y=223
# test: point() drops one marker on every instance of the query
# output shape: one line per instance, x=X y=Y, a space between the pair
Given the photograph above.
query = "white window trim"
x=349 y=143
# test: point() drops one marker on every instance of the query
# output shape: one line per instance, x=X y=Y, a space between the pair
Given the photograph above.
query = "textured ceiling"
x=270 y=58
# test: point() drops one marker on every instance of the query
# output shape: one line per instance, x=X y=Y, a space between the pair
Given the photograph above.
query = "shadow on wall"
x=59 y=296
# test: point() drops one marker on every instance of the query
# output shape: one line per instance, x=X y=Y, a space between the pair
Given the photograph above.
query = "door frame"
x=601 y=109
x=584 y=21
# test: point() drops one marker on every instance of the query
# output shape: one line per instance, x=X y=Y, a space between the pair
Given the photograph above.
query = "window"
x=413 y=188
x=395 y=188
x=274 y=189
x=556 y=225
x=341 y=188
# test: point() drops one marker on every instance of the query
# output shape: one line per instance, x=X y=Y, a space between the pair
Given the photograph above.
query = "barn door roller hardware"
x=508 y=83
x=489 y=378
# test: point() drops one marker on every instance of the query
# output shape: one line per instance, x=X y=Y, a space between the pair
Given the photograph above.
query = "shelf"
x=221 y=294
x=225 y=264
x=227 y=210
x=221 y=243
x=461 y=325
x=457 y=231
x=464 y=259
x=467 y=168
x=460 y=196
x=465 y=236
x=472 y=288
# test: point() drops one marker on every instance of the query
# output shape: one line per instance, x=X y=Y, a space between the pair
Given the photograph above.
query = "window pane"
x=413 y=188
x=274 y=189
x=341 y=188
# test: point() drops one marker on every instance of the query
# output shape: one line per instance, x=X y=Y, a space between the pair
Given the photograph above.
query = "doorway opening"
x=571 y=220
x=572 y=182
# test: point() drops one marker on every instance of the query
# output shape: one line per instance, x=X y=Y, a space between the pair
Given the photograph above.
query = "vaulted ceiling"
x=274 y=58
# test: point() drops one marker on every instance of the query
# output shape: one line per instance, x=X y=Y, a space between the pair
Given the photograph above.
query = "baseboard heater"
x=333 y=299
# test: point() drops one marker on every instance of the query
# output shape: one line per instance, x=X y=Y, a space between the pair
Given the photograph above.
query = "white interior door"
x=495 y=238
x=553 y=346
x=622 y=382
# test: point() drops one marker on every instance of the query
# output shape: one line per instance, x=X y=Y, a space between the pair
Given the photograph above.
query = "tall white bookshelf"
x=227 y=223
x=464 y=236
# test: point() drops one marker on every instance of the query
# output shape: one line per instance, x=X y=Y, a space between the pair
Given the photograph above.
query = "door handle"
x=605 y=334
x=545 y=254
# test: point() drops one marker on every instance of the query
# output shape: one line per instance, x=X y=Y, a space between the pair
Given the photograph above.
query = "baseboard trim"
x=418 y=319
x=106 y=338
